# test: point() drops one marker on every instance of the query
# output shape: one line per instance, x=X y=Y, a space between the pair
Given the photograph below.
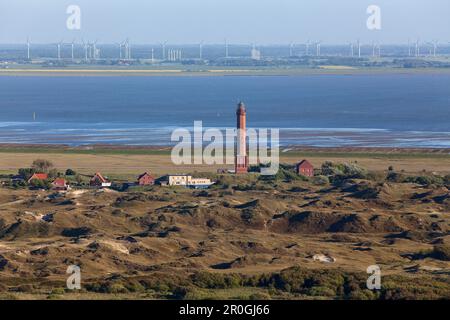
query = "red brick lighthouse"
x=241 y=162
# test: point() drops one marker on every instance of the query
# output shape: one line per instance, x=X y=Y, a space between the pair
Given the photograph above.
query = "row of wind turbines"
x=92 y=52
x=414 y=49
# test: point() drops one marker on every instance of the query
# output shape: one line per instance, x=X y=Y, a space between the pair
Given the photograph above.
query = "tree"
x=70 y=172
x=26 y=173
x=42 y=165
x=40 y=184
x=53 y=173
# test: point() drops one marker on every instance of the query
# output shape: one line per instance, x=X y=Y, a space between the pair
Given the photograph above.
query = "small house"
x=99 y=181
x=145 y=179
x=38 y=176
x=305 y=168
x=60 y=184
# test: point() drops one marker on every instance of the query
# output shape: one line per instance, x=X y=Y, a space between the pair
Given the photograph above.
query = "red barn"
x=145 y=179
x=305 y=168
x=38 y=176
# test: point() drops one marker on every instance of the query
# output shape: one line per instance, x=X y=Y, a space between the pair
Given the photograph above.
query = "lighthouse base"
x=241 y=165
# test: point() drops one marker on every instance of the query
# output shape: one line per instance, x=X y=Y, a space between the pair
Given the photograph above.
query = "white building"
x=186 y=180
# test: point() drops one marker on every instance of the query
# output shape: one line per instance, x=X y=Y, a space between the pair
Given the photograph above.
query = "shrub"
x=320 y=180
x=260 y=296
x=40 y=184
x=441 y=252
x=116 y=288
x=426 y=180
x=344 y=171
x=395 y=177
x=216 y=281
x=53 y=173
x=70 y=172
x=285 y=173
x=322 y=292
x=447 y=180
x=58 y=291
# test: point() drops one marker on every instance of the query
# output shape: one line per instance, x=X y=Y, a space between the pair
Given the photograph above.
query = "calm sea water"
x=322 y=110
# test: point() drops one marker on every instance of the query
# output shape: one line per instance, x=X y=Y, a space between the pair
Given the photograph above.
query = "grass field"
x=115 y=161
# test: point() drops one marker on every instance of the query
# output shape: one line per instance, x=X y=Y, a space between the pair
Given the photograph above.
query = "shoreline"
x=212 y=72
x=161 y=149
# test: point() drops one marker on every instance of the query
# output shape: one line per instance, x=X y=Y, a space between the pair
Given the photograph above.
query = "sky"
x=212 y=21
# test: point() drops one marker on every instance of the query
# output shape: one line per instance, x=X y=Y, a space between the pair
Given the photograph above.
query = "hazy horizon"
x=255 y=21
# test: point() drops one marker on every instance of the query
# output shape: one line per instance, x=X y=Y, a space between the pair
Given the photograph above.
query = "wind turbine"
x=94 y=48
x=417 y=48
x=89 y=46
x=129 y=49
x=72 y=47
x=226 y=48
x=291 y=49
x=59 y=49
x=85 y=46
x=359 y=48
x=352 y=51
x=200 y=54
x=307 y=48
x=318 y=48
x=409 y=48
x=120 y=50
x=435 y=45
x=28 y=48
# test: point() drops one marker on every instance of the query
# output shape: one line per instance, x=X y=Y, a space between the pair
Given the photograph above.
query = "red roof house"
x=145 y=179
x=99 y=181
x=305 y=168
x=60 y=184
x=38 y=176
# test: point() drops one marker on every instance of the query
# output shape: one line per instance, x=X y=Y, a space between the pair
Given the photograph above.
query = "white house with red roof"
x=60 y=184
x=99 y=181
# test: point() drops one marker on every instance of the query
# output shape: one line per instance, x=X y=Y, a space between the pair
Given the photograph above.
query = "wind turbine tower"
x=417 y=48
x=435 y=45
x=28 y=48
x=200 y=53
x=226 y=48
x=359 y=48
x=59 y=50
x=318 y=48
x=72 y=47
x=85 y=45
x=409 y=48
